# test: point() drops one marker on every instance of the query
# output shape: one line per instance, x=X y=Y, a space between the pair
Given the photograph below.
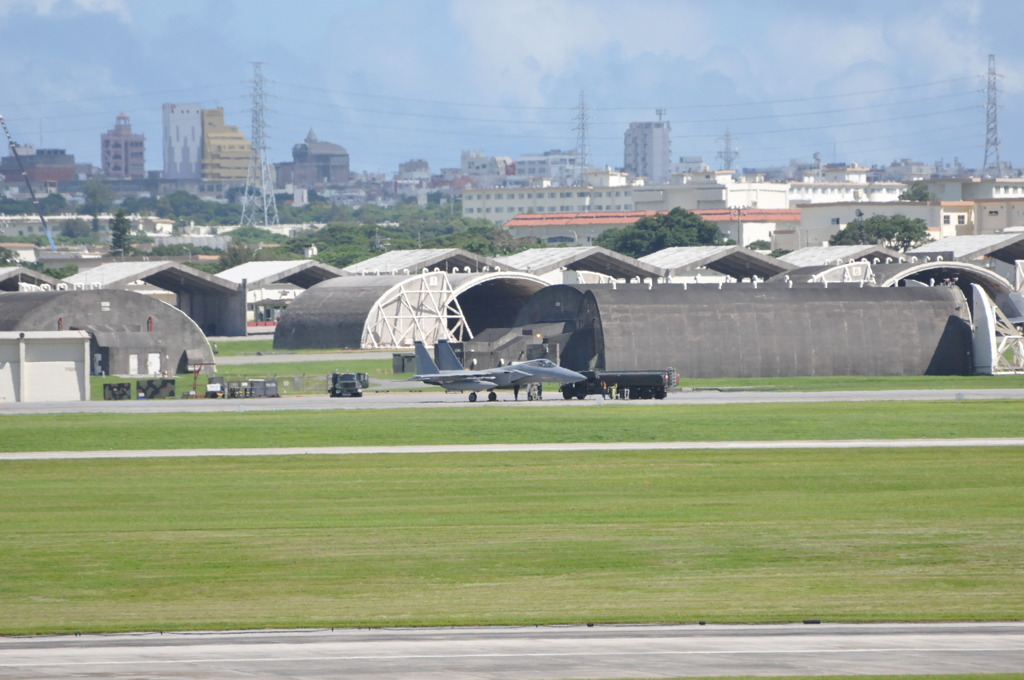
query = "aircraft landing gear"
x=491 y=396
x=472 y=396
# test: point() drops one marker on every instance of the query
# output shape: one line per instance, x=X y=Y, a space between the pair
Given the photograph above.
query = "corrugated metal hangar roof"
x=733 y=261
x=415 y=261
x=301 y=273
x=10 y=277
x=817 y=256
x=162 y=274
x=1005 y=247
x=581 y=258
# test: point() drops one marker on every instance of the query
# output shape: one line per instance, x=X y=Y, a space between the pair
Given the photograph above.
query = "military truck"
x=653 y=384
x=345 y=385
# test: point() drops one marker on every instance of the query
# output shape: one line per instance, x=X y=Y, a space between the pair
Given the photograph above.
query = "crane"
x=24 y=175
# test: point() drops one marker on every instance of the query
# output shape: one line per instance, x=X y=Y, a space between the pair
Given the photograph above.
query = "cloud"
x=65 y=8
x=525 y=50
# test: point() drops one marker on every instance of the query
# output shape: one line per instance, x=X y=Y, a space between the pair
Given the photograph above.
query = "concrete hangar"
x=882 y=317
x=129 y=333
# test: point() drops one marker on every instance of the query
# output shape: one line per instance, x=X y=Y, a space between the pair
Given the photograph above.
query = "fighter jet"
x=456 y=378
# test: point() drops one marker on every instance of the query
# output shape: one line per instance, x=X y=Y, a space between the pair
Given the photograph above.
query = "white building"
x=648 y=150
x=975 y=188
x=712 y=190
x=486 y=171
x=44 y=366
x=841 y=184
x=605 y=191
x=810 y=192
x=561 y=167
x=820 y=221
x=183 y=141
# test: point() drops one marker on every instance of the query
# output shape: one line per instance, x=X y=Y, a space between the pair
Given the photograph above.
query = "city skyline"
x=399 y=80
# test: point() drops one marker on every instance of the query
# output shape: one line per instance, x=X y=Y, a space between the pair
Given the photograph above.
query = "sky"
x=870 y=82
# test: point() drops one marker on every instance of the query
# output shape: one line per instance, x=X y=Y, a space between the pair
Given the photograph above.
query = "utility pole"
x=991 y=119
x=259 y=209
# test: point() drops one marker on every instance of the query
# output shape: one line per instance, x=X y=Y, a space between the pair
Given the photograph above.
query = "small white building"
x=44 y=366
x=712 y=190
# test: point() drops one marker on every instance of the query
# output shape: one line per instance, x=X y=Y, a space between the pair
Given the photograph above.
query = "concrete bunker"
x=741 y=330
x=130 y=334
x=393 y=311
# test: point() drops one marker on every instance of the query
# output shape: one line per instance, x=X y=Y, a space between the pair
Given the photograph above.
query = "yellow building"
x=226 y=151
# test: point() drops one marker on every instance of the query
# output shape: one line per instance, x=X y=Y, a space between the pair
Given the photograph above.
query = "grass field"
x=443 y=539
x=446 y=539
x=584 y=422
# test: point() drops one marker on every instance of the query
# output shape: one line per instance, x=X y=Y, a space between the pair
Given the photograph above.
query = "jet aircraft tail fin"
x=447 y=358
x=424 y=364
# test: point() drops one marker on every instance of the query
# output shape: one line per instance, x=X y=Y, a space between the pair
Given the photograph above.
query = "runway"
x=434 y=398
x=553 y=653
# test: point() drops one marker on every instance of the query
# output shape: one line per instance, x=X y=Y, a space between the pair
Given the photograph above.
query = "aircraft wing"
x=459 y=380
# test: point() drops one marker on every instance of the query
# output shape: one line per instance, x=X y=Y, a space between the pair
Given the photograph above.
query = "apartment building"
x=123 y=152
x=183 y=141
x=226 y=151
x=602 y=192
x=647 y=151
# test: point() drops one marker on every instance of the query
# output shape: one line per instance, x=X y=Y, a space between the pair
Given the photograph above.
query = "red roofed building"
x=742 y=225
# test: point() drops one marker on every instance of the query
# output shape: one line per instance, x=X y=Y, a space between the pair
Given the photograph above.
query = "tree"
x=237 y=253
x=53 y=204
x=897 y=232
x=98 y=198
x=917 y=191
x=120 y=234
x=677 y=227
x=760 y=245
x=8 y=258
x=76 y=229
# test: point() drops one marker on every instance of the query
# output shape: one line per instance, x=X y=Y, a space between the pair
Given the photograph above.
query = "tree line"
x=354 y=234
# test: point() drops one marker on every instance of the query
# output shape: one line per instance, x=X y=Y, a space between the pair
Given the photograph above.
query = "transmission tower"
x=582 y=144
x=259 y=209
x=991 y=118
x=728 y=154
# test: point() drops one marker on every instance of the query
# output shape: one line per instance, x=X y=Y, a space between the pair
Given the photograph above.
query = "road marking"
x=527 y=448
x=506 y=655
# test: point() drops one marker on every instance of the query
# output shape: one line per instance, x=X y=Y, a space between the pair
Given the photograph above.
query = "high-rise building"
x=648 y=150
x=226 y=151
x=123 y=152
x=183 y=140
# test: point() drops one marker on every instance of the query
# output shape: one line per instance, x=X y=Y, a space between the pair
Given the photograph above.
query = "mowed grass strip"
x=584 y=422
x=460 y=539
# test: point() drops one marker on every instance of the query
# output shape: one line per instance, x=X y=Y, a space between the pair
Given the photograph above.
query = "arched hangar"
x=743 y=330
x=130 y=333
x=905 y=272
x=393 y=311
